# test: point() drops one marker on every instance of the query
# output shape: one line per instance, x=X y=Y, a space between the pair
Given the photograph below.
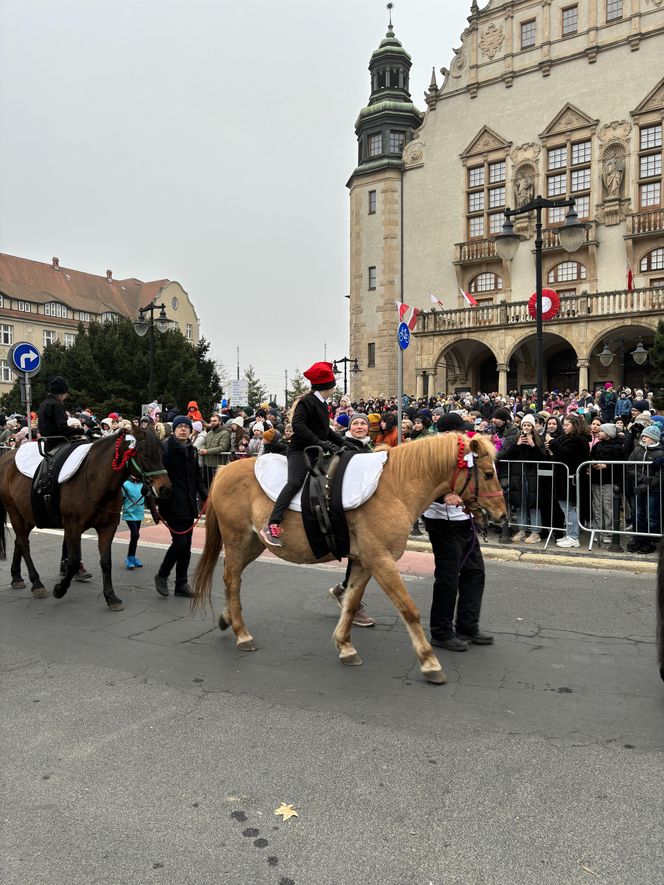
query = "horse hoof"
x=353 y=660
x=247 y=645
x=59 y=591
x=223 y=623
x=39 y=592
x=18 y=585
x=116 y=606
x=436 y=677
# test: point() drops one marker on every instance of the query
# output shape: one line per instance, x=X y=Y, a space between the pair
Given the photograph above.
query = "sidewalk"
x=579 y=557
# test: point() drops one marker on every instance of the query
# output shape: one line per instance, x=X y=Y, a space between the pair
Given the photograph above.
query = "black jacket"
x=311 y=425
x=181 y=463
x=53 y=419
x=571 y=449
x=603 y=452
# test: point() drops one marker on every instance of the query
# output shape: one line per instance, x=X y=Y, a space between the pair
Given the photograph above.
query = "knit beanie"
x=269 y=435
x=528 y=419
x=342 y=419
x=502 y=414
x=641 y=404
x=653 y=432
x=358 y=416
x=182 y=419
x=610 y=430
x=450 y=422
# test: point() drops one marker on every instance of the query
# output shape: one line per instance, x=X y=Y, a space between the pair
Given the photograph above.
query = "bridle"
x=467 y=467
x=122 y=460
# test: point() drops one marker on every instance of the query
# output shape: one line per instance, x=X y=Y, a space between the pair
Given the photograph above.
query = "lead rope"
x=192 y=527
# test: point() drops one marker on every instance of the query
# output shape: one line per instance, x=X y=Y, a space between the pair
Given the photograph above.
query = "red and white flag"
x=435 y=300
x=630 y=278
x=407 y=314
x=470 y=301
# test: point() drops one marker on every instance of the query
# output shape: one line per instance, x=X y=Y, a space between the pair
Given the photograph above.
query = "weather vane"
x=390 y=7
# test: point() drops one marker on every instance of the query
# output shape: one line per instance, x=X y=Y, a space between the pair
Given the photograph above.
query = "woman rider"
x=311 y=427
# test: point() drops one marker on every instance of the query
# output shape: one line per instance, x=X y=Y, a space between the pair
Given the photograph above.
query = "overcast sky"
x=204 y=141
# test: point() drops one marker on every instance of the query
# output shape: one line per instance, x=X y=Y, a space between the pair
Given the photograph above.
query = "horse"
x=414 y=475
x=92 y=498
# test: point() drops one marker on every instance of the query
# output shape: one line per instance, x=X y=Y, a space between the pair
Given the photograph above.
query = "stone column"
x=419 y=385
x=432 y=383
x=503 y=368
x=582 y=366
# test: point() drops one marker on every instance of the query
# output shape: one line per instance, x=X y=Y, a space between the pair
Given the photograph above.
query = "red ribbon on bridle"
x=120 y=460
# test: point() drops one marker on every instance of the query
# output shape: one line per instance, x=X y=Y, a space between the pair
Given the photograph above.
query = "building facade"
x=542 y=97
x=41 y=303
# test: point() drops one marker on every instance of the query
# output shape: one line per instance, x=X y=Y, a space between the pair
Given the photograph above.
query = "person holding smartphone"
x=524 y=489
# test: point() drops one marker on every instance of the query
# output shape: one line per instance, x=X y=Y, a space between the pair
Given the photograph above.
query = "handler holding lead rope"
x=311 y=427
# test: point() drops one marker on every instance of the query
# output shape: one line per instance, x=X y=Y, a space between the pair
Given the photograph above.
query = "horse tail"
x=660 y=610
x=208 y=561
x=3 y=520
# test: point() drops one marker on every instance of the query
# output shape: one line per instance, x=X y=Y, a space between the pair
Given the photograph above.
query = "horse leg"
x=359 y=578
x=105 y=539
x=73 y=545
x=385 y=571
x=22 y=549
x=236 y=559
x=17 y=579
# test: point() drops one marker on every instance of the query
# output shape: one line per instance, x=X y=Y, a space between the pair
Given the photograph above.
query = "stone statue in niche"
x=613 y=170
x=524 y=189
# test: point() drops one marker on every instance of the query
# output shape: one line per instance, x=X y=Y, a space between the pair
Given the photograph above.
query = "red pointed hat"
x=320 y=375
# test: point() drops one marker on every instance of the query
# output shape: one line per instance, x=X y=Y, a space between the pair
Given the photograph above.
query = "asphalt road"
x=142 y=747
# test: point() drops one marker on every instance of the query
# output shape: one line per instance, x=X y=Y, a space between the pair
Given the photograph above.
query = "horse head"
x=148 y=462
x=476 y=480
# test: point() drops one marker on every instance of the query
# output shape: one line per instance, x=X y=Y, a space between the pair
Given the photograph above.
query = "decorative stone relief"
x=618 y=130
x=656 y=3
x=524 y=184
x=612 y=211
x=459 y=63
x=413 y=154
x=656 y=100
x=491 y=41
x=529 y=151
x=613 y=169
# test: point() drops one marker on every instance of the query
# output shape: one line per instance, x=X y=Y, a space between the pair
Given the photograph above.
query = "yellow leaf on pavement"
x=286 y=811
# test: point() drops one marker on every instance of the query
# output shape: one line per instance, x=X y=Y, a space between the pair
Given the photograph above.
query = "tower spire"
x=390 y=7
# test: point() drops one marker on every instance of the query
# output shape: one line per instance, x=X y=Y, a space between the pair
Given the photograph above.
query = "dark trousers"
x=179 y=553
x=458 y=581
x=134 y=526
x=296 y=474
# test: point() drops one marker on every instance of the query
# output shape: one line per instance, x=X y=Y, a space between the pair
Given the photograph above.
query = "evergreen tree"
x=298 y=386
x=257 y=392
x=107 y=369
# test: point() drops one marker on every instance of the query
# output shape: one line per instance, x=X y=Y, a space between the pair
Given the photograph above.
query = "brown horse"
x=413 y=476
x=92 y=498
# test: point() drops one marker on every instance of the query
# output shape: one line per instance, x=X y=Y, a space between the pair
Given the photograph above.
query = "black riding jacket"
x=53 y=419
x=181 y=463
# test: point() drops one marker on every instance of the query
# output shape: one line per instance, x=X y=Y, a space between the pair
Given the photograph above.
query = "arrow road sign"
x=25 y=358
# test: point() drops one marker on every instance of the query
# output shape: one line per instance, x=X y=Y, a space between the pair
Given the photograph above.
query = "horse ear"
x=480 y=444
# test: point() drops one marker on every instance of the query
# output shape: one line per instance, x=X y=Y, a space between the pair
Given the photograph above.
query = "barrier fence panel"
x=620 y=499
x=537 y=498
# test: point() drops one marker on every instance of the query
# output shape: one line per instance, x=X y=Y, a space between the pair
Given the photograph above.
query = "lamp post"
x=606 y=355
x=354 y=369
x=142 y=327
x=571 y=234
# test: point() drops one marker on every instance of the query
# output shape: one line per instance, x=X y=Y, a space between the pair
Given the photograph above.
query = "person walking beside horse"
x=181 y=509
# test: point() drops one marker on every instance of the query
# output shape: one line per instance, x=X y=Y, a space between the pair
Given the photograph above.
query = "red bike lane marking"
x=411 y=563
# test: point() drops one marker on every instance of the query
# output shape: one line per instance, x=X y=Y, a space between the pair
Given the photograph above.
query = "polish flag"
x=630 y=278
x=435 y=300
x=470 y=301
x=407 y=314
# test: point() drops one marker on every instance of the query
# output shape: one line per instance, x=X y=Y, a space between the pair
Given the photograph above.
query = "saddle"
x=322 y=508
x=45 y=494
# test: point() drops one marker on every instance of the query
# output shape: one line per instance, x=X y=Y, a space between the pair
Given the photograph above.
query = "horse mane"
x=432 y=456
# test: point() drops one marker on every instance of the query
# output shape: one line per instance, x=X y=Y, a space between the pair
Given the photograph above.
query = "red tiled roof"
x=39 y=282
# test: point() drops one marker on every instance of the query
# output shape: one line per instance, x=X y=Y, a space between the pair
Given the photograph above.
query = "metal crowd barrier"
x=623 y=498
x=547 y=484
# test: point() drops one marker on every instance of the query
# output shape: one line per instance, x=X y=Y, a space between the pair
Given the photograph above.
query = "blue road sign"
x=26 y=357
x=403 y=335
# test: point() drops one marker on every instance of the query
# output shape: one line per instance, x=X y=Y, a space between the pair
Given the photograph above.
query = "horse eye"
x=488 y=474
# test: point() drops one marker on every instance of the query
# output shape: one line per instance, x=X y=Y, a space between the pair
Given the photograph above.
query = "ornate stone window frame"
x=484 y=295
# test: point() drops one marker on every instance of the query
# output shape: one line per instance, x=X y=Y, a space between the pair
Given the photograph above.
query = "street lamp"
x=606 y=355
x=639 y=354
x=571 y=235
x=354 y=369
x=142 y=327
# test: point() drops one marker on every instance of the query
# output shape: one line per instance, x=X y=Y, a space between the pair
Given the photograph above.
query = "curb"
x=511 y=554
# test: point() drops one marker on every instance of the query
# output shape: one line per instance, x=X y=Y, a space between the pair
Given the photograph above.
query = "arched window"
x=486 y=282
x=653 y=260
x=566 y=272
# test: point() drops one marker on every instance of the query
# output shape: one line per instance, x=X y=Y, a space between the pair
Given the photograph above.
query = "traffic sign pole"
x=26 y=360
x=403 y=340
x=28 y=403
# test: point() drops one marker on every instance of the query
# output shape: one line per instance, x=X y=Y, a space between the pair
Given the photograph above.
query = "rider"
x=311 y=427
x=53 y=423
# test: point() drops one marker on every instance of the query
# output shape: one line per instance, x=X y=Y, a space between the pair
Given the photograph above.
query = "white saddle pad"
x=358 y=485
x=28 y=460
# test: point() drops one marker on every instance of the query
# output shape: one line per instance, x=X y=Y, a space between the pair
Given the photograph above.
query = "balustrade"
x=647 y=222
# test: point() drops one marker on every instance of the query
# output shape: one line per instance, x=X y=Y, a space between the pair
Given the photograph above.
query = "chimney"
x=56 y=263
x=109 y=276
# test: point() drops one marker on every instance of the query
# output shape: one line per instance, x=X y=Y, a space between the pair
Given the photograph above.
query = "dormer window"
x=55 y=309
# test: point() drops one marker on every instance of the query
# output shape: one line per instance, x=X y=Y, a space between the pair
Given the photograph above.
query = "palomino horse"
x=414 y=475
x=92 y=498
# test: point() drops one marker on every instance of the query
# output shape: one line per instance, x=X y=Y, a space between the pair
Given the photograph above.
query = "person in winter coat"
x=311 y=427
x=133 y=511
x=217 y=442
x=606 y=483
x=571 y=448
x=194 y=412
x=525 y=486
x=389 y=433
x=644 y=481
x=421 y=427
x=180 y=510
x=357 y=439
x=624 y=404
x=504 y=436
x=237 y=431
x=607 y=403
x=274 y=442
x=53 y=417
